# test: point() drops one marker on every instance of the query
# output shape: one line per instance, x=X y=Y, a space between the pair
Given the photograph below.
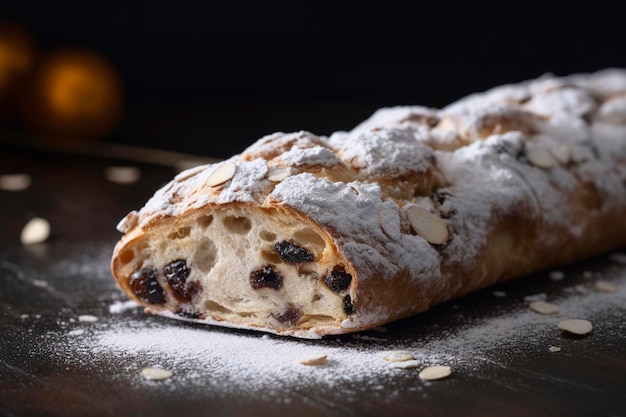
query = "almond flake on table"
x=543 y=307
x=87 y=318
x=37 y=230
x=432 y=373
x=398 y=356
x=576 y=326
x=122 y=174
x=14 y=182
x=606 y=286
x=156 y=373
x=313 y=360
x=410 y=364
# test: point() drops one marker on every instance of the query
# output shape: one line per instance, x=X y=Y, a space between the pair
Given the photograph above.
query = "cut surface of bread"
x=307 y=235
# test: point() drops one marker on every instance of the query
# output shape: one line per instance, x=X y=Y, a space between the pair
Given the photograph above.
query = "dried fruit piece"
x=156 y=373
x=348 y=307
x=313 y=360
x=543 y=307
x=432 y=373
x=289 y=316
x=222 y=174
x=146 y=287
x=605 y=286
x=265 y=277
x=338 y=280
x=292 y=254
x=398 y=356
x=176 y=274
x=427 y=224
x=576 y=326
x=37 y=230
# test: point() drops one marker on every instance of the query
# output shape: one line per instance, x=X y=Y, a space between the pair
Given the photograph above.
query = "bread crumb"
x=554 y=349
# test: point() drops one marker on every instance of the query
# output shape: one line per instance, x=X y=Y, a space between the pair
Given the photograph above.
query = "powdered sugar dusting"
x=231 y=362
x=547 y=154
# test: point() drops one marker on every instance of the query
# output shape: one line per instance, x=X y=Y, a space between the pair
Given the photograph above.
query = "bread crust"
x=413 y=207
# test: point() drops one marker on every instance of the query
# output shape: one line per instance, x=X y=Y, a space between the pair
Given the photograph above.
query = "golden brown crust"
x=417 y=206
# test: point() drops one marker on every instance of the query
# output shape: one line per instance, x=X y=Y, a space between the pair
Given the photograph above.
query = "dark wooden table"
x=498 y=349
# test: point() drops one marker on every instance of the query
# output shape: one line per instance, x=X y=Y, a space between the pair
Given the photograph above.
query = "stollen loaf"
x=305 y=235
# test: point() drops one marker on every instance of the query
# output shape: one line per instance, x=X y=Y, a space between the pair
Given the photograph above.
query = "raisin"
x=265 y=277
x=176 y=274
x=289 y=316
x=348 y=307
x=338 y=280
x=293 y=254
x=146 y=287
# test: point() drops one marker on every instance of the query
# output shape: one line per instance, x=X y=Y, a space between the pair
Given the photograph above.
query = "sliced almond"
x=576 y=326
x=543 y=307
x=128 y=222
x=540 y=157
x=313 y=360
x=432 y=373
x=427 y=224
x=37 y=230
x=398 y=356
x=156 y=373
x=605 y=286
x=14 y=182
x=562 y=152
x=222 y=174
x=410 y=364
x=276 y=174
x=190 y=172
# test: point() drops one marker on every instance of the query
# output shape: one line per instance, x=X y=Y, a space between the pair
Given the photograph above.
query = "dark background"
x=211 y=77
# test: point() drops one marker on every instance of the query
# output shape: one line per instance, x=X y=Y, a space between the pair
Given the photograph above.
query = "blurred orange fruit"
x=73 y=93
x=18 y=52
